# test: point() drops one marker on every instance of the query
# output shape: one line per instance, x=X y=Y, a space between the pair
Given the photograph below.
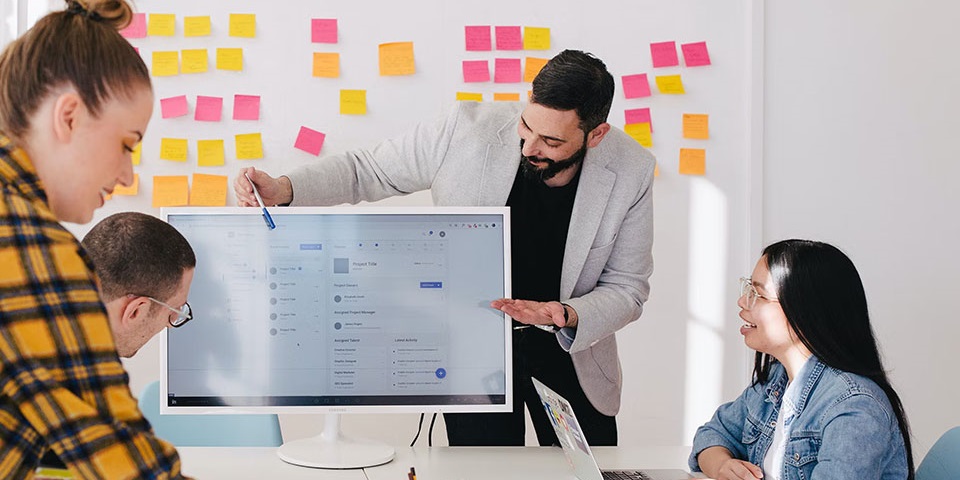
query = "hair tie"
x=77 y=9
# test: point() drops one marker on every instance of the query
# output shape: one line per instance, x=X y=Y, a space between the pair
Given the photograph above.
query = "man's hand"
x=273 y=191
x=535 y=313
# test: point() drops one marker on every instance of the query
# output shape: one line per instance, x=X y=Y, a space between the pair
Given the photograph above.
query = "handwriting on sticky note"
x=532 y=68
x=208 y=190
x=506 y=97
x=640 y=132
x=133 y=189
x=693 y=161
x=476 y=71
x=246 y=107
x=326 y=65
x=695 y=54
x=323 y=30
x=210 y=153
x=243 y=25
x=670 y=84
x=309 y=140
x=664 y=54
x=165 y=64
x=696 y=126
x=353 y=102
x=170 y=191
x=536 y=38
x=509 y=38
x=396 y=59
x=173 y=106
x=638 y=115
x=249 y=146
x=636 y=86
x=209 y=109
x=230 y=59
x=174 y=149
x=469 y=97
x=477 y=38
x=507 y=70
x=161 y=24
x=194 y=60
x=137 y=27
x=196 y=26
x=136 y=154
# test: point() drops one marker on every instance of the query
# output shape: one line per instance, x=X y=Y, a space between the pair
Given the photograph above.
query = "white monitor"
x=342 y=310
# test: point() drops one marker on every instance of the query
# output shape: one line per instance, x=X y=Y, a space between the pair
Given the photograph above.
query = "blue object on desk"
x=943 y=460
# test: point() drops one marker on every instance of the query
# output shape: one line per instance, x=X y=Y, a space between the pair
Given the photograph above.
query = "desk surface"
x=437 y=463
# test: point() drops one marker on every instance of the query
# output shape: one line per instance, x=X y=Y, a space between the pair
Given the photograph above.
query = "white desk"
x=437 y=463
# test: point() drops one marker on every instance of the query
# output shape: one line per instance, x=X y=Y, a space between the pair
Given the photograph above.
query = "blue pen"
x=266 y=215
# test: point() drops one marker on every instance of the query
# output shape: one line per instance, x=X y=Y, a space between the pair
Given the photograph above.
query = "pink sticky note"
x=638 y=115
x=476 y=71
x=246 y=107
x=310 y=141
x=664 y=54
x=636 y=86
x=208 y=109
x=137 y=27
x=695 y=54
x=509 y=38
x=173 y=106
x=323 y=30
x=478 y=38
x=507 y=70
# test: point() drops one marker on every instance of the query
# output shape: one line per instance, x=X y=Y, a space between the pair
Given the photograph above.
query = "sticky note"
x=695 y=54
x=696 y=126
x=166 y=64
x=249 y=146
x=638 y=115
x=133 y=189
x=670 y=84
x=640 y=132
x=173 y=106
x=532 y=68
x=353 y=102
x=246 y=107
x=196 y=26
x=137 y=27
x=506 y=70
x=664 y=54
x=210 y=153
x=469 y=97
x=396 y=59
x=693 y=161
x=656 y=170
x=506 y=97
x=170 y=191
x=243 y=25
x=310 y=141
x=536 y=38
x=477 y=38
x=173 y=149
x=137 y=154
x=161 y=24
x=230 y=59
x=509 y=38
x=209 y=109
x=636 y=86
x=208 y=190
x=326 y=65
x=476 y=71
x=194 y=60
x=323 y=30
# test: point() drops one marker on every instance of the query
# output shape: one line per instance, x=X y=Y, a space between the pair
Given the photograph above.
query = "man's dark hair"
x=135 y=253
x=574 y=80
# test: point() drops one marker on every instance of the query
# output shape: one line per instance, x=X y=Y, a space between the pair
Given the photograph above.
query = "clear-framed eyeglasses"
x=184 y=313
x=747 y=289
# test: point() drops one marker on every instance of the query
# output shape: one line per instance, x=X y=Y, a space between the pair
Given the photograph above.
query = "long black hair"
x=823 y=299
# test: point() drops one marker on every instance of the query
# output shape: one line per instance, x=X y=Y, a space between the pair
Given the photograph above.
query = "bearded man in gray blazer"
x=580 y=194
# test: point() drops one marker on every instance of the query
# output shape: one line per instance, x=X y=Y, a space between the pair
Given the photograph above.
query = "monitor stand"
x=331 y=449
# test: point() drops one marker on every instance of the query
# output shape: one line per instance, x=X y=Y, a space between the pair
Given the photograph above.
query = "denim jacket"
x=844 y=427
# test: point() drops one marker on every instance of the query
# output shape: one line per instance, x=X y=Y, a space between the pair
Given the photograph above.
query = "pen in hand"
x=266 y=215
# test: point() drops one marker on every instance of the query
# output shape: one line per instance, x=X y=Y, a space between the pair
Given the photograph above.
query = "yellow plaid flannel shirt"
x=61 y=383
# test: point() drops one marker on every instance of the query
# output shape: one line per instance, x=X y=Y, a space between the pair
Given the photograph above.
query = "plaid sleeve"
x=61 y=383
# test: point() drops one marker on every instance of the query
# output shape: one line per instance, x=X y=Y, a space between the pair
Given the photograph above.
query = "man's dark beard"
x=532 y=172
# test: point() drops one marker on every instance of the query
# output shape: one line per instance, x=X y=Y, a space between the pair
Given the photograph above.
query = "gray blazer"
x=470 y=158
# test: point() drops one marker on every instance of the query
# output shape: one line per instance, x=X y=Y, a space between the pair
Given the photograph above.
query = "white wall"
x=860 y=151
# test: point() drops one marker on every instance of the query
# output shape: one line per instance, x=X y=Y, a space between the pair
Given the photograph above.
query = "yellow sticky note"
x=693 y=161
x=353 y=102
x=209 y=190
x=249 y=146
x=194 y=61
x=640 y=132
x=137 y=153
x=170 y=191
x=696 y=126
x=670 y=84
x=397 y=59
x=326 y=65
x=133 y=189
x=536 y=38
x=161 y=24
x=243 y=25
x=210 y=153
x=166 y=64
x=532 y=68
x=196 y=26
x=230 y=59
x=656 y=170
x=469 y=96
x=506 y=97
x=173 y=149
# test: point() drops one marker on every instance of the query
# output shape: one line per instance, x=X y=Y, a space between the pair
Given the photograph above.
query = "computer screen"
x=342 y=309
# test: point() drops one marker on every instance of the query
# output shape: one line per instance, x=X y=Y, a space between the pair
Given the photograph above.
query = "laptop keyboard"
x=624 y=475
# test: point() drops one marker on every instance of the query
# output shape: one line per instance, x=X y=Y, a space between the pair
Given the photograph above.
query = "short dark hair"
x=575 y=80
x=135 y=253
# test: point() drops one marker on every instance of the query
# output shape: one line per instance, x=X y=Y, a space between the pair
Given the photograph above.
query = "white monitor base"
x=332 y=450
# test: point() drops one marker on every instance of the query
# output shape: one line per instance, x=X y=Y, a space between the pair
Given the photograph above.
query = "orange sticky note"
x=173 y=149
x=506 y=97
x=656 y=170
x=133 y=189
x=137 y=153
x=161 y=24
x=196 y=26
x=170 y=191
x=165 y=64
x=249 y=146
x=693 y=161
x=670 y=84
x=696 y=126
x=194 y=61
x=230 y=59
x=326 y=65
x=353 y=102
x=210 y=153
x=469 y=96
x=532 y=68
x=536 y=38
x=243 y=25
x=640 y=132
x=209 y=190
x=396 y=59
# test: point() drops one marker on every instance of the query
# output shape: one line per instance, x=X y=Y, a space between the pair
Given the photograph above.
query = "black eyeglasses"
x=184 y=313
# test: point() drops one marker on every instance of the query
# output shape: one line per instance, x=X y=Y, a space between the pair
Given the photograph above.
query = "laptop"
x=577 y=450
